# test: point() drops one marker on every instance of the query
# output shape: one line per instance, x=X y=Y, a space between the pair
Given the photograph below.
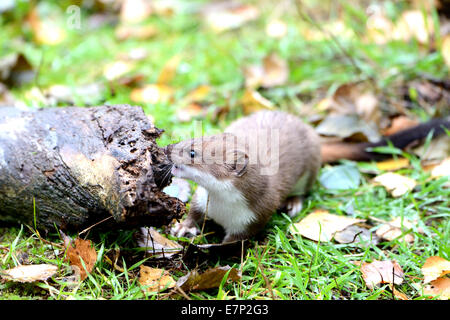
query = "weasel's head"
x=208 y=160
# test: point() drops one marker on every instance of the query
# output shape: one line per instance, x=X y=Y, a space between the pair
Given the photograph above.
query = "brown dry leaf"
x=157 y=244
x=81 y=249
x=398 y=124
x=354 y=99
x=276 y=29
x=273 y=71
x=224 y=16
x=211 y=278
x=395 y=228
x=45 y=31
x=134 y=11
x=438 y=149
x=356 y=235
x=169 y=70
x=395 y=183
x=152 y=93
x=398 y=294
x=157 y=280
x=253 y=101
x=393 y=164
x=191 y=106
x=445 y=49
x=29 y=273
x=199 y=93
x=439 y=287
x=388 y=271
x=192 y=110
x=322 y=225
x=434 y=268
x=139 y=32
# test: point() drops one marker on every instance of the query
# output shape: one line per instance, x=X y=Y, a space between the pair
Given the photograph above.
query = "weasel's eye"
x=192 y=153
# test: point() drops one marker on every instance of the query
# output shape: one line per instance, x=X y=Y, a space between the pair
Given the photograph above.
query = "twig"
x=95 y=224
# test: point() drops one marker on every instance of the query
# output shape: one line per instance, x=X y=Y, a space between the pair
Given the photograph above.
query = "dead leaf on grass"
x=156 y=244
x=376 y=272
x=45 y=30
x=169 y=70
x=273 y=71
x=442 y=169
x=395 y=183
x=395 y=228
x=211 y=278
x=439 y=287
x=356 y=235
x=445 y=49
x=29 y=273
x=322 y=225
x=276 y=29
x=223 y=16
x=253 y=101
x=435 y=267
x=152 y=93
x=78 y=250
x=156 y=280
x=393 y=164
x=398 y=124
x=134 y=11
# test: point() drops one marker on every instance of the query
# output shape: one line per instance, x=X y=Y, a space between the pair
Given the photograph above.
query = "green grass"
x=278 y=264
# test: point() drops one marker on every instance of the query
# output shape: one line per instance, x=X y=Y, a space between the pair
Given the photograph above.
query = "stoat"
x=261 y=163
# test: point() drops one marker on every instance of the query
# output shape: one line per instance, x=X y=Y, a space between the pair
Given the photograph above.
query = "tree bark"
x=73 y=167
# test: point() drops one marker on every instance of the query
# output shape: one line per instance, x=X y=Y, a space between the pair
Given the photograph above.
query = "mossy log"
x=73 y=167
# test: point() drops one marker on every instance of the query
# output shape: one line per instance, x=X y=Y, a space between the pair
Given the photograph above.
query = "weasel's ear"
x=237 y=162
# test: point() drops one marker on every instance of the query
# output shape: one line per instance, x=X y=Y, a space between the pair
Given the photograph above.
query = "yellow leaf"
x=169 y=70
x=393 y=164
x=434 y=268
x=442 y=169
x=395 y=183
x=253 y=101
x=152 y=93
x=321 y=225
x=156 y=279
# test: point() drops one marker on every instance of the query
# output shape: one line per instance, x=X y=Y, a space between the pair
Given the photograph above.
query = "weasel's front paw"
x=184 y=229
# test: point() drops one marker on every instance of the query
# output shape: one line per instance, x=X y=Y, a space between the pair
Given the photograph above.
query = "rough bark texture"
x=73 y=167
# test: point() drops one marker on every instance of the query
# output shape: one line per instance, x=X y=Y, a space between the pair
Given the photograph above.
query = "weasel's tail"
x=332 y=152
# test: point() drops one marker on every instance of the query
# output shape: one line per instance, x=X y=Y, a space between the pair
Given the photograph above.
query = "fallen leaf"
x=29 y=273
x=398 y=294
x=169 y=70
x=156 y=280
x=321 y=225
x=439 y=287
x=413 y=24
x=395 y=183
x=211 y=278
x=198 y=94
x=356 y=235
x=348 y=126
x=376 y=272
x=353 y=99
x=152 y=93
x=395 y=228
x=340 y=177
x=134 y=11
x=228 y=15
x=89 y=94
x=80 y=250
x=138 y=32
x=116 y=69
x=379 y=28
x=189 y=111
x=273 y=71
x=398 y=124
x=445 y=49
x=276 y=29
x=156 y=244
x=438 y=149
x=253 y=101
x=435 y=267
x=442 y=169
x=393 y=164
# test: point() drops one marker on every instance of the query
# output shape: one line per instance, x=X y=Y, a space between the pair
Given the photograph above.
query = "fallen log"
x=73 y=167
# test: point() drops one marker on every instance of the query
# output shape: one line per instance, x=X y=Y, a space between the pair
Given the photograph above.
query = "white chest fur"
x=227 y=208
